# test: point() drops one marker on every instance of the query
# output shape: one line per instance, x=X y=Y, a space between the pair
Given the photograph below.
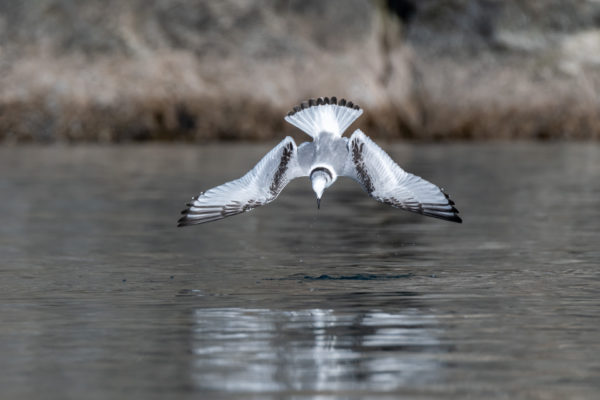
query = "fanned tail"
x=325 y=114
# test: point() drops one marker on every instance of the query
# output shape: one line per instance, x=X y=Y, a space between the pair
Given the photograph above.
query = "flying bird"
x=327 y=157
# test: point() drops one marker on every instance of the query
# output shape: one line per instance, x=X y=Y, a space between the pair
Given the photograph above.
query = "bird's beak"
x=318 y=203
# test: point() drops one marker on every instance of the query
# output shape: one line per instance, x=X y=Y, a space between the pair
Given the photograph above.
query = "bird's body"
x=328 y=156
x=327 y=151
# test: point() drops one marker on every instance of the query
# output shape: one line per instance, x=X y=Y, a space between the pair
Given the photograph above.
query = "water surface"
x=103 y=297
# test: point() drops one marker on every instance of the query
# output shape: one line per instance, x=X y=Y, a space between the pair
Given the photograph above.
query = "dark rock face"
x=508 y=69
x=108 y=70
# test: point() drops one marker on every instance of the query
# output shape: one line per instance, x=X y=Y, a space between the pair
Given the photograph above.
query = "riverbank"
x=182 y=71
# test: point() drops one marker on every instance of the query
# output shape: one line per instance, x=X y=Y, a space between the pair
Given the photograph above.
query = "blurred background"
x=103 y=297
x=193 y=70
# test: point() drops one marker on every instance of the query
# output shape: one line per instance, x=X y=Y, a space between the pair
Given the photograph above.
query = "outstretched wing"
x=261 y=185
x=386 y=182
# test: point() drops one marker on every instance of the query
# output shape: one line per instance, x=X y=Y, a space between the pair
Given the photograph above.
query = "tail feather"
x=325 y=114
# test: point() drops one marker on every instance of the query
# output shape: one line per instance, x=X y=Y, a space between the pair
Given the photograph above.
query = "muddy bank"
x=195 y=70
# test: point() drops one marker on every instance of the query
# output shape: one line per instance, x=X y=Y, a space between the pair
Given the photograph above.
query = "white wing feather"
x=261 y=185
x=386 y=182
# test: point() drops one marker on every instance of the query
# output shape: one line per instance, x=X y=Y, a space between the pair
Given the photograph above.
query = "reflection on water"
x=355 y=277
x=103 y=297
x=262 y=350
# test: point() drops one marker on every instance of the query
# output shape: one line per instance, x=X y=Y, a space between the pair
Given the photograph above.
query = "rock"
x=201 y=70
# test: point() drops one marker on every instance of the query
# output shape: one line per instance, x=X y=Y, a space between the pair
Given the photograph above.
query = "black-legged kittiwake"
x=328 y=156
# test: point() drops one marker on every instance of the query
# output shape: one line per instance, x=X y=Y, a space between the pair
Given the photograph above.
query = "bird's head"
x=321 y=178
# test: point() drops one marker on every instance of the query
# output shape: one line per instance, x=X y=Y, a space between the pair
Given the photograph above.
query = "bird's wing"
x=261 y=185
x=386 y=182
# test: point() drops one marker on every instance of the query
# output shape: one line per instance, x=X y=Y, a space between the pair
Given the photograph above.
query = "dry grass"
x=241 y=118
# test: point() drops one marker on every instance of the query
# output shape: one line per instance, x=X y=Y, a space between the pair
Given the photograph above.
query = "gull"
x=327 y=157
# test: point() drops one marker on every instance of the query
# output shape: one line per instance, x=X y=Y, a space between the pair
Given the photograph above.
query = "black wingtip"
x=456 y=219
x=451 y=218
x=186 y=221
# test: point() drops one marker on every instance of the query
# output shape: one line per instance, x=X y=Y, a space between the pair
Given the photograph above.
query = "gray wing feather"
x=261 y=185
x=386 y=182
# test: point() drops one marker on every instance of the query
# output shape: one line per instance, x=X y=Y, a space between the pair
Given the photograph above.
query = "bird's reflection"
x=265 y=350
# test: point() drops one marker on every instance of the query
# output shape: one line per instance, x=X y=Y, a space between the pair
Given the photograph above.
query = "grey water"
x=101 y=296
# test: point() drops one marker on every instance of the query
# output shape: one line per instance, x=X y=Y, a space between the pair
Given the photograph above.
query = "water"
x=103 y=297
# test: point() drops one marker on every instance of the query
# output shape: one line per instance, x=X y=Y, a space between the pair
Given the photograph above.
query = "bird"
x=328 y=156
